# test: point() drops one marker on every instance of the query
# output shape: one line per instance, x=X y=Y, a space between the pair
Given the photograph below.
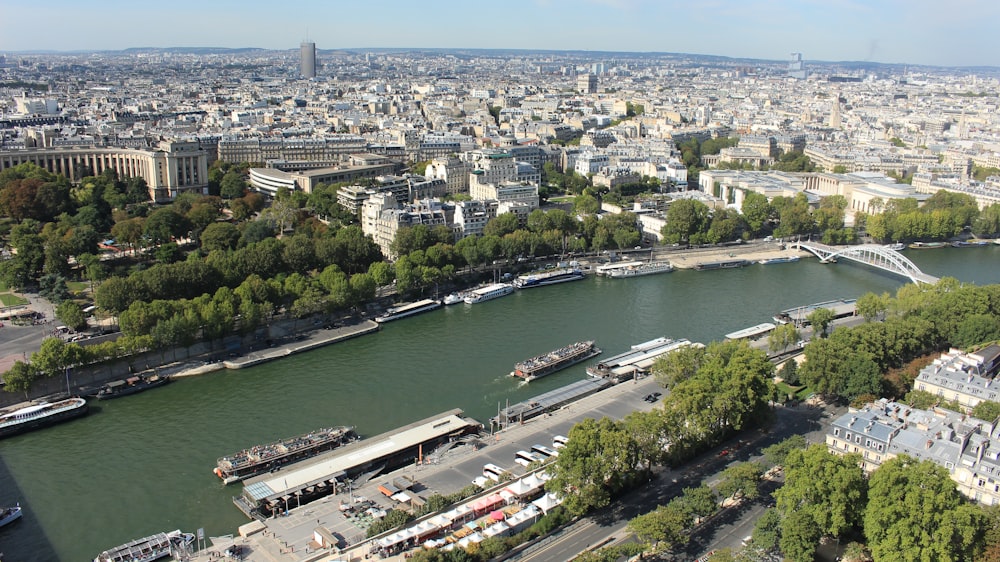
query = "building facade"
x=171 y=168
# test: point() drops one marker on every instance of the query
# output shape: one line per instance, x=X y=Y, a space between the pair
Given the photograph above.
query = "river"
x=143 y=464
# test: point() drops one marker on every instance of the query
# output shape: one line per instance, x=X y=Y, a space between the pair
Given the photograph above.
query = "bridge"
x=869 y=254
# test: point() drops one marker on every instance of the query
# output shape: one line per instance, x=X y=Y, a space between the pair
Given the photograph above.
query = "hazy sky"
x=949 y=33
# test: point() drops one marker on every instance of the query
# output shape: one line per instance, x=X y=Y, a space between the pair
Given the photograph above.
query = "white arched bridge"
x=869 y=254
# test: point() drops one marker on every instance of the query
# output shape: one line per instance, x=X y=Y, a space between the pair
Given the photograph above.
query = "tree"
x=686 y=219
x=71 y=315
x=777 y=453
x=756 y=211
x=767 y=531
x=232 y=186
x=219 y=236
x=501 y=225
x=698 y=502
x=164 y=224
x=799 y=537
x=831 y=488
x=820 y=320
x=915 y=513
x=663 y=528
x=782 y=337
x=740 y=481
x=986 y=410
x=872 y=306
x=20 y=377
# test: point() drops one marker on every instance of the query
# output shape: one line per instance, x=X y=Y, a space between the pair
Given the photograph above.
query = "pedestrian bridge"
x=874 y=255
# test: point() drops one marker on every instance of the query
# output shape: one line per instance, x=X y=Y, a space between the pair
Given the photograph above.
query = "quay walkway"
x=319 y=339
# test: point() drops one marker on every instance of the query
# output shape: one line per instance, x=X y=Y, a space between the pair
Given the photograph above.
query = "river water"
x=143 y=464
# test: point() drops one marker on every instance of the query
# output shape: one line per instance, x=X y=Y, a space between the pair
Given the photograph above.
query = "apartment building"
x=966 y=378
x=968 y=448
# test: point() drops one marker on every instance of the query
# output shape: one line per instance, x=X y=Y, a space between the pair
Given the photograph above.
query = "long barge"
x=841 y=308
x=642 y=268
x=548 y=363
x=726 y=264
x=552 y=277
x=402 y=311
x=41 y=415
x=149 y=548
x=638 y=359
x=271 y=456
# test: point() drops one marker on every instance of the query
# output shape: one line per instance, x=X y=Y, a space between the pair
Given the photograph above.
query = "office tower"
x=835 y=120
x=795 y=67
x=307 y=59
x=586 y=83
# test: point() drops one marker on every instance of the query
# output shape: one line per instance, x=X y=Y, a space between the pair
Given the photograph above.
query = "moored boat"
x=726 y=264
x=780 y=259
x=263 y=458
x=553 y=361
x=453 y=298
x=926 y=245
x=402 y=311
x=41 y=415
x=131 y=385
x=551 y=277
x=149 y=548
x=488 y=292
x=638 y=359
x=642 y=268
x=10 y=514
x=896 y=246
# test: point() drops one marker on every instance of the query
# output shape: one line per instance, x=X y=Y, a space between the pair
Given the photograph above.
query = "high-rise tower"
x=307 y=59
x=835 y=120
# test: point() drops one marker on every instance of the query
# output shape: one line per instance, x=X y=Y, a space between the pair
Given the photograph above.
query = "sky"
x=944 y=33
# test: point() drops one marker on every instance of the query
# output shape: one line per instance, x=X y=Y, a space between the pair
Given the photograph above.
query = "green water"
x=143 y=464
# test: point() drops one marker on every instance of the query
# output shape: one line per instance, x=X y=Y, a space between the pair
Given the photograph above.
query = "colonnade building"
x=172 y=168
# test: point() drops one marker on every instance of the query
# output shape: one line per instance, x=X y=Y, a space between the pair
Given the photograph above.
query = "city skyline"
x=834 y=30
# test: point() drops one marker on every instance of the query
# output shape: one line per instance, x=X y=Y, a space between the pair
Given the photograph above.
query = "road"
x=726 y=529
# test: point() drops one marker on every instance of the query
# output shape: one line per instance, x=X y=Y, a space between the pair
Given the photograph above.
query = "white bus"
x=524 y=458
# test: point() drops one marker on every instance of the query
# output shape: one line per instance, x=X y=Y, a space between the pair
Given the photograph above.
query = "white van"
x=493 y=472
x=543 y=450
x=524 y=458
x=559 y=441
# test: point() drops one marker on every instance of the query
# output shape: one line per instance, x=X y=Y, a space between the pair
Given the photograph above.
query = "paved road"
x=726 y=530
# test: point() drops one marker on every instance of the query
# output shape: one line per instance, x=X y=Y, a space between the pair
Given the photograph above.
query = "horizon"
x=891 y=32
x=295 y=49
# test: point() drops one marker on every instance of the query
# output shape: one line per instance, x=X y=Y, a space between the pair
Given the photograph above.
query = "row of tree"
x=716 y=391
x=905 y=510
x=922 y=318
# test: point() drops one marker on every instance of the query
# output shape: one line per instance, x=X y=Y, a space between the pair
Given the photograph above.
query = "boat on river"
x=927 y=245
x=779 y=259
x=637 y=360
x=453 y=298
x=551 y=277
x=488 y=293
x=131 y=385
x=271 y=456
x=149 y=548
x=41 y=415
x=641 y=268
x=548 y=363
x=402 y=311
x=10 y=514
x=895 y=246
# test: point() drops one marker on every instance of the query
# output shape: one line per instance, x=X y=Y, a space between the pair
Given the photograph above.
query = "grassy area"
x=800 y=392
x=9 y=299
x=78 y=286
